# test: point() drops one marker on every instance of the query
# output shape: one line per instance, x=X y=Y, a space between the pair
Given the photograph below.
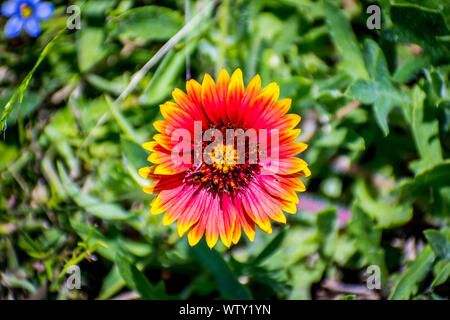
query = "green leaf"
x=98 y=9
x=425 y=128
x=439 y=242
x=226 y=280
x=267 y=26
x=90 y=47
x=437 y=88
x=368 y=239
x=410 y=69
x=147 y=23
x=112 y=283
x=362 y=227
x=340 y=136
x=379 y=91
x=135 y=155
x=387 y=214
x=435 y=177
x=410 y=21
x=443 y=268
x=91 y=204
x=137 y=281
x=348 y=297
x=408 y=284
x=326 y=230
x=12 y=281
x=424 y=4
x=32 y=247
x=114 y=87
x=303 y=276
x=89 y=234
x=326 y=222
x=123 y=123
x=9 y=153
x=271 y=248
x=345 y=41
x=134 y=158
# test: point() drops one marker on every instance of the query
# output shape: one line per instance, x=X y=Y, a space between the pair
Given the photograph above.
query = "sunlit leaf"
x=345 y=41
x=408 y=284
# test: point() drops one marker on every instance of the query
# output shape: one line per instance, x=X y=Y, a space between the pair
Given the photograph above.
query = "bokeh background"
x=375 y=113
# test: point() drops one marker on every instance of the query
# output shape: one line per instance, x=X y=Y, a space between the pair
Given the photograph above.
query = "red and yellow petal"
x=210 y=99
x=223 y=81
x=235 y=93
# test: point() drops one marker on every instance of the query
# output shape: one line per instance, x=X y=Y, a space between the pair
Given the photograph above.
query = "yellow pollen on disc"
x=224 y=157
x=25 y=11
x=221 y=172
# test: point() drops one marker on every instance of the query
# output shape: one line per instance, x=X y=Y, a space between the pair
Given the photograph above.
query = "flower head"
x=225 y=159
x=25 y=14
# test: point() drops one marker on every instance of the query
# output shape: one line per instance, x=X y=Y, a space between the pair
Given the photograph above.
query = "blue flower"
x=25 y=14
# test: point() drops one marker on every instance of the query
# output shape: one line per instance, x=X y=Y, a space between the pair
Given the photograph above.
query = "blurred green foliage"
x=376 y=113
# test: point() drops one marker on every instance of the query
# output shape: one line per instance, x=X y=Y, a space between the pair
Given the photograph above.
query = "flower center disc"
x=224 y=158
x=25 y=11
x=223 y=171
